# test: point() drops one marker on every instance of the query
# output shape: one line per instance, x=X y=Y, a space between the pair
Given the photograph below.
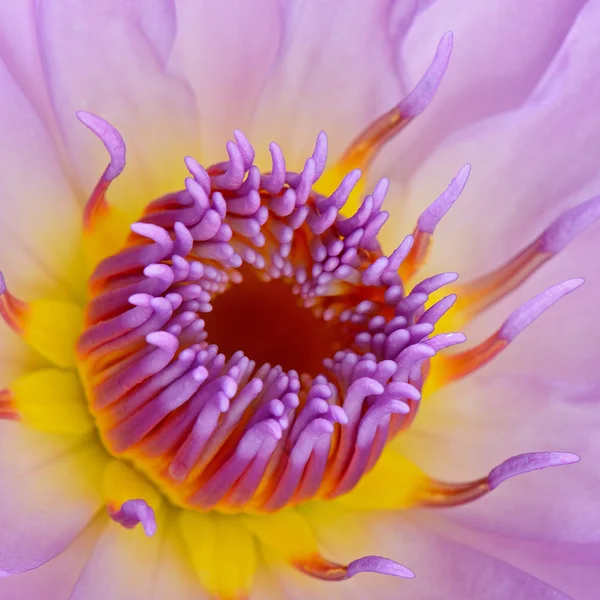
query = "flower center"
x=249 y=347
x=268 y=322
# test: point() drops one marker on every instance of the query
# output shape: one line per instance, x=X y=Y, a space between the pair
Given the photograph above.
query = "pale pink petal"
x=225 y=50
x=335 y=72
x=266 y=586
x=570 y=567
x=16 y=357
x=57 y=577
x=39 y=217
x=501 y=50
x=50 y=492
x=114 y=63
x=20 y=52
x=444 y=569
x=39 y=213
x=466 y=429
x=126 y=564
x=528 y=164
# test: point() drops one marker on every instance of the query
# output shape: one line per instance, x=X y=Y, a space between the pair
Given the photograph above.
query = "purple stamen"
x=422 y=95
x=133 y=512
x=531 y=310
x=330 y=571
x=112 y=140
x=245 y=148
x=198 y=173
x=433 y=284
x=445 y=340
x=377 y=564
x=524 y=463
x=434 y=313
x=319 y=154
x=342 y=193
x=428 y=221
x=569 y=225
x=273 y=183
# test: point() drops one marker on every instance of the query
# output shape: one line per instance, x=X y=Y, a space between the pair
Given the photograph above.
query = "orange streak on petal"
x=417 y=256
x=8 y=410
x=97 y=206
x=367 y=144
x=447 y=368
x=14 y=312
x=321 y=568
x=479 y=294
x=442 y=494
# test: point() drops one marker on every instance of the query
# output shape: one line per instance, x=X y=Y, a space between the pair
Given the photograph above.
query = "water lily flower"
x=234 y=362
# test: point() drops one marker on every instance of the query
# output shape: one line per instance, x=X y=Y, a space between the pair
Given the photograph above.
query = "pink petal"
x=225 y=50
x=56 y=578
x=464 y=430
x=39 y=213
x=527 y=165
x=20 y=52
x=16 y=358
x=48 y=496
x=495 y=64
x=114 y=64
x=572 y=568
x=335 y=72
x=266 y=586
x=126 y=564
x=445 y=569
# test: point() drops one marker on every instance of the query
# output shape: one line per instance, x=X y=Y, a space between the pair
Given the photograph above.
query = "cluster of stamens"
x=222 y=431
